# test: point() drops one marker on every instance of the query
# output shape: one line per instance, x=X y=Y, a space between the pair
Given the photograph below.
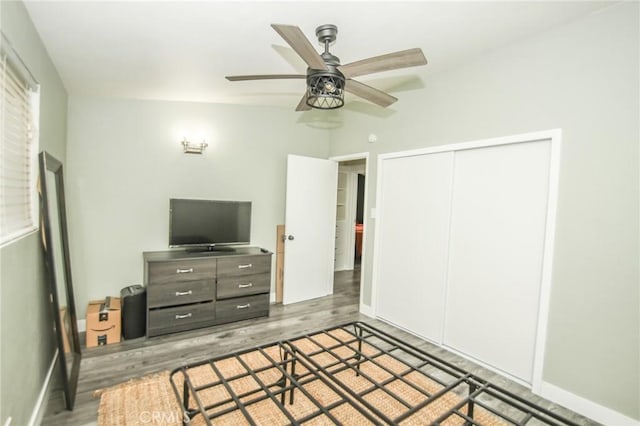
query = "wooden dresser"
x=190 y=290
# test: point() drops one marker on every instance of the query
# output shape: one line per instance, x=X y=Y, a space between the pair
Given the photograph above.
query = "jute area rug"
x=147 y=400
x=150 y=400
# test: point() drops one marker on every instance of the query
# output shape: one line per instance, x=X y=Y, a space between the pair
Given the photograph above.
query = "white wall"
x=124 y=162
x=583 y=78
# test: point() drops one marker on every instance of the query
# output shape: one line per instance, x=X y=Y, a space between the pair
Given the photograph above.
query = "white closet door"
x=413 y=201
x=498 y=222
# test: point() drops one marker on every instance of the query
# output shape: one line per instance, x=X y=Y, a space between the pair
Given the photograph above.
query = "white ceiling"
x=182 y=50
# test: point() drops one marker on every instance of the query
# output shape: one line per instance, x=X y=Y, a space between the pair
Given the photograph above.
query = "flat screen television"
x=205 y=224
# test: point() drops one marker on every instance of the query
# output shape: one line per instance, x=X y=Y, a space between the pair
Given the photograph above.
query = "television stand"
x=192 y=290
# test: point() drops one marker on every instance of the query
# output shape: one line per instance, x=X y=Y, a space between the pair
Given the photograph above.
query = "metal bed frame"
x=379 y=362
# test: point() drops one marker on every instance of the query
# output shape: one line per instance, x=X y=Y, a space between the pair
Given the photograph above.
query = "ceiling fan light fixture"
x=329 y=87
x=325 y=90
x=326 y=76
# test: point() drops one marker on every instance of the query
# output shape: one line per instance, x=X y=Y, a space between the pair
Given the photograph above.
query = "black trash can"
x=134 y=311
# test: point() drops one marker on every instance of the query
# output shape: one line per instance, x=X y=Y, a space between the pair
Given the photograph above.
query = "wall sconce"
x=193 y=148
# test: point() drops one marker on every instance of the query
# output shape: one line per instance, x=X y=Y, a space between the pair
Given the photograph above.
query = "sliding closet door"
x=413 y=201
x=496 y=248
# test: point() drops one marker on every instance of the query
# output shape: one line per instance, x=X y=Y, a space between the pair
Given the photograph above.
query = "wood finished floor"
x=109 y=365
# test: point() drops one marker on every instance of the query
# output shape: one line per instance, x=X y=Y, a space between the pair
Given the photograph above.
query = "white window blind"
x=18 y=149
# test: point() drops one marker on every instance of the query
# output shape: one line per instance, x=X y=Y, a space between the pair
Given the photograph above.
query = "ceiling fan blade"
x=390 y=61
x=369 y=93
x=263 y=77
x=301 y=44
x=302 y=105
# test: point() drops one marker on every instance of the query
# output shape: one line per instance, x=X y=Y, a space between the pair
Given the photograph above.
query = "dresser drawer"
x=181 y=270
x=180 y=293
x=244 y=265
x=243 y=285
x=169 y=320
x=242 y=308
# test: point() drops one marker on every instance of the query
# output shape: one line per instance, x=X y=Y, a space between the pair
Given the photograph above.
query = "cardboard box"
x=103 y=322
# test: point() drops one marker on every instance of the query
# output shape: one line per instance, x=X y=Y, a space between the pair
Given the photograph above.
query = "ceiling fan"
x=327 y=80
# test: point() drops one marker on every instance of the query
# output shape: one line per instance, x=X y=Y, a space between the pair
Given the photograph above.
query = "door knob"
x=290 y=238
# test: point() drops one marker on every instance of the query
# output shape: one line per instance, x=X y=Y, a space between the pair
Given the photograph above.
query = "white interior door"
x=496 y=251
x=413 y=231
x=310 y=223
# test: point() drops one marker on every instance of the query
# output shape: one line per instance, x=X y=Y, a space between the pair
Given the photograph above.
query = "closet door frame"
x=554 y=136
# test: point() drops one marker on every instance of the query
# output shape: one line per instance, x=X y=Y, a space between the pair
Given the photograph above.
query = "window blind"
x=18 y=150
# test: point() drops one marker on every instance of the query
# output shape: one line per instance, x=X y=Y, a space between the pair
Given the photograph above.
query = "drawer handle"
x=184 y=293
x=183 y=316
x=248 y=265
x=245 y=285
x=248 y=305
x=184 y=271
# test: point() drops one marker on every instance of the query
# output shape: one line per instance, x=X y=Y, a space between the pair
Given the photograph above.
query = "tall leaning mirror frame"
x=55 y=243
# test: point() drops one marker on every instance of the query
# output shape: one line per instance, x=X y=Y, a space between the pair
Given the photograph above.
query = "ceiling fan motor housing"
x=325 y=88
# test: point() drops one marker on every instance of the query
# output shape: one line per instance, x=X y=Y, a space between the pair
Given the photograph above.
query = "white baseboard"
x=82 y=325
x=584 y=406
x=41 y=402
x=366 y=310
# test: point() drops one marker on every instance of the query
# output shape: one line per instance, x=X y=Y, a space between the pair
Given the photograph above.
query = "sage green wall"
x=583 y=78
x=26 y=339
x=126 y=161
